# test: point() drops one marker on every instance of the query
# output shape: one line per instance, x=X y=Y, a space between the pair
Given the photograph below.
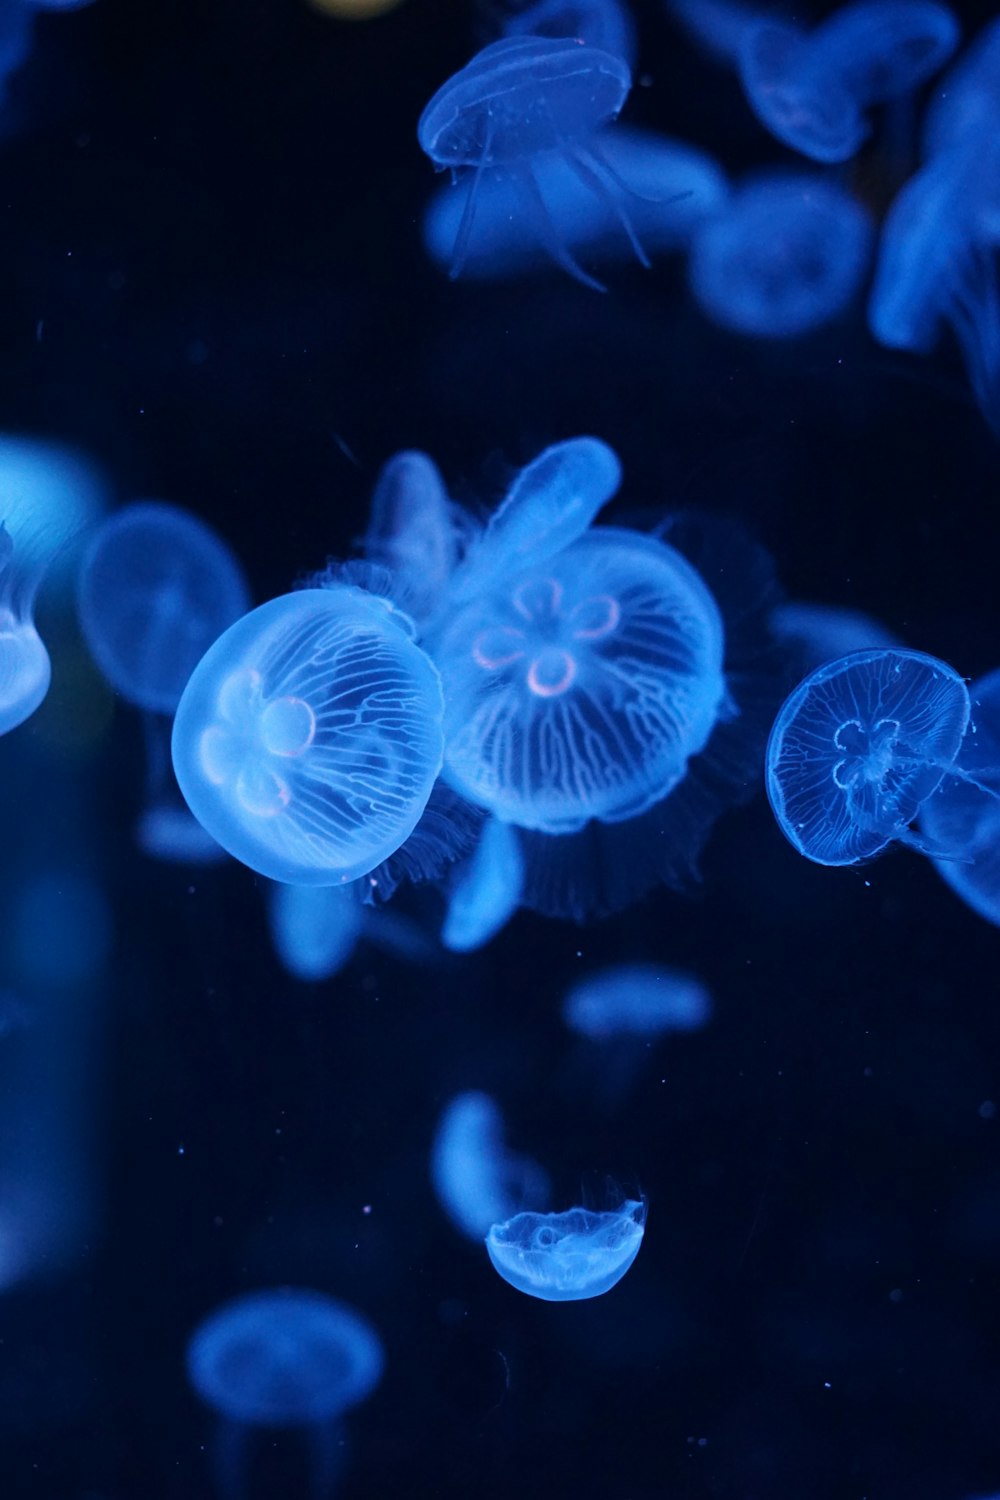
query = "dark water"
x=214 y=285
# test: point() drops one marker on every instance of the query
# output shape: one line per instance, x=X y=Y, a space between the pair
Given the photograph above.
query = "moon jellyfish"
x=569 y=1256
x=963 y=815
x=858 y=748
x=413 y=531
x=822 y=632
x=156 y=588
x=314 y=928
x=606 y=24
x=476 y=1178
x=784 y=256
x=675 y=186
x=813 y=90
x=636 y=1000
x=286 y=1358
x=517 y=101
x=309 y=737
x=487 y=890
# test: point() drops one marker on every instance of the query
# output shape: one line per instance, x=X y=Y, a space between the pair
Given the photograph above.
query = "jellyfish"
x=487 y=891
x=413 y=532
x=962 y=817
x=285 y=1358
x=606 y=24
x=636 y=1000
x=813 y=90
x=966 y=103
x=156 y=588
x=676 y=187
x=309 y=737
x=166 y=829
x=784 y=256
x=822 y=632
x=518 y=100
x=568 y=1256
x=314 y=928
x=858 y=748
x=477 y=1179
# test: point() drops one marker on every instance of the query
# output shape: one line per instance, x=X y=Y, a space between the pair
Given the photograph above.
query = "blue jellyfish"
x=315 y=928
x=606 y=24
x=285 y=1358
x=962 y=817
x=518 y=100
x=156 y=588
x=822 y=632
x=784 y=256
x=813 y=90
x=487 y=890
x=676 y=187
x=636 y=1000
x=569 y=1256
x=414 y=531
x=477 y=1179
x=309 y=737
x=966 y=103
x=166 y=829
x=858 y=748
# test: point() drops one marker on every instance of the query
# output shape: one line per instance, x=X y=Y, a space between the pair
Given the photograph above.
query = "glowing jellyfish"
x=166 y=829
x=813 y=90
x=569 y=1256
x=636 y=1000
x=487 y=890
x=315 y=928
x=606 y=24
x=309 y=736
x=25 y=669
x=784 y=256
x=822 y=632
x=966 y=103
x=477 y=1179
x=963 y=815
x=516 y=101
x=413 y=531
x=675 y=186
x=156 y=588
x=858 y=748
x=285 y=1358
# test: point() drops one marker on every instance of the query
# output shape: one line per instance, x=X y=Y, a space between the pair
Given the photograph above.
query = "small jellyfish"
x=676 y=187
x=636 y=1000
x=518 y=100
x=286 y=1358
x=309 y=736
x=487 y=890
x=606 y=24
x=413 y=531
x=784 y=256
x=963 y=815
x=858 y=748
x=156 y=588
x=569 y=1256
x=813 y=90
x=314 y=928
x=822 y=632
x=477 y=1179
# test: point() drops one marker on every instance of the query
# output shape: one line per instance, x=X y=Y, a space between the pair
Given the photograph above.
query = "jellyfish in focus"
x=285 y=1358
x=784 y=256
x=156 y=588
x=309 y=737
x=487 y=890
x=518 y=100
x=606 y=24
x=569 y=1256
x=636 y=1000
x=963 y=815
x=675 y=186
x=822 y=632
x=813 y=90
x=314 y=928
x=413 y=532
x=858 y=748
x=477 y=1179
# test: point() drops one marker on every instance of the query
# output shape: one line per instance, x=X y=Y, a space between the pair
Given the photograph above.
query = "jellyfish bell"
x=606 y=24
x=309 y=737
x=568 y=1256
x=413 y=531
x=962 y=816
x=486 y=890
x=477 y=1178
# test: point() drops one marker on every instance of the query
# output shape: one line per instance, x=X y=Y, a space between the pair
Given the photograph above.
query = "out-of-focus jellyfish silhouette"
x=784 y=256
x=963 y=815
x=822 y=632
x=676 y=187
x=965 y=108
x=314 y=928
x=517 y=101
x=477 y=1179
x=636 y=1000
x=718 y=27
x=309 y=737
x=156 y=588
x=569 y=1256
x=858 y=748
x=813 y=90
x=166 y=829
x=606 y=24
x=285 y=1358
x=486 y=891
x=413 y=531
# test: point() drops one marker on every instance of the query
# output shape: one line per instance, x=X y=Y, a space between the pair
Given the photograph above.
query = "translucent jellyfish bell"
x=636 y=1000
x=858 y=748
x=822 y=632
x=314 y=928
x=486 y=891
x=413 y=531
x=569 y=1256
x=25 y=669
x=309 y=737
x=517 y=100
x=606 y=24
x=477 y=1178
x=963 y=815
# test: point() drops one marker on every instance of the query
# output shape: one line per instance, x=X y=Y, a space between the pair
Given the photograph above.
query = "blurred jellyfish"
x=858 y=748
x=286 y=1358
x=309 y=737
x=487 y=890
x=822 y=632
x=478 y=1181
x=718 y=27
x=156 y=588
x=606 y=24
x=963 y=815
x=966 y=103
x=569 y=1256
x=413 y=531
x=813 y=90
x=784 y=256
x=677 y=186
x=517 y=101
x=166 y=829
x=314 y=928
x=15 y=39
x=636 y=1000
